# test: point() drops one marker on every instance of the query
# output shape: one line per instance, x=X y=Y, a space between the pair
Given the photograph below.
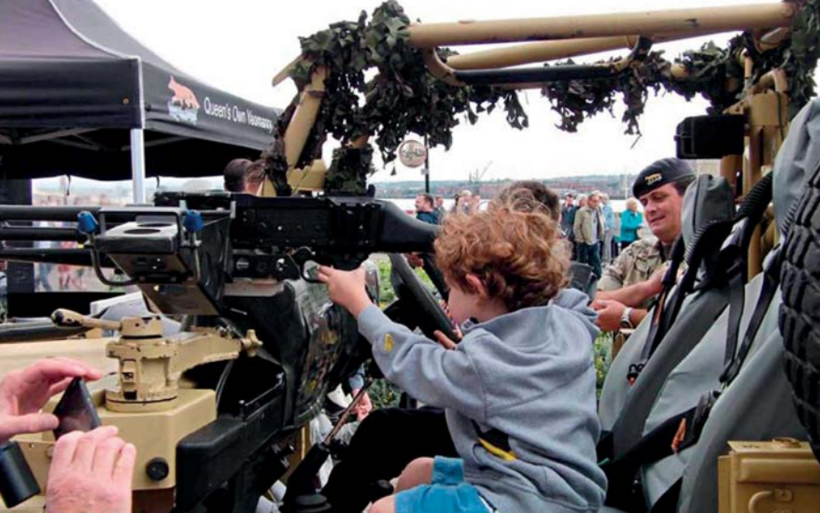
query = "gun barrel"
x=28 y=213
x=80 y=257
x=31 y=233
x=401 y=233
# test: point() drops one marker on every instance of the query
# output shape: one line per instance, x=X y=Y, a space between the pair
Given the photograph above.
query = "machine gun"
x=212 y=435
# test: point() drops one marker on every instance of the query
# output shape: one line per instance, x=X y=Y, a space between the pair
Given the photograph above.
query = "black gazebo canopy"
x=80 y=96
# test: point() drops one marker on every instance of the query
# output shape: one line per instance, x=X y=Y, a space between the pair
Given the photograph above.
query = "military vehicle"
x=213 y=409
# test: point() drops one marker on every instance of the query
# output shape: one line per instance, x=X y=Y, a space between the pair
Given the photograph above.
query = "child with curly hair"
x=518 y=390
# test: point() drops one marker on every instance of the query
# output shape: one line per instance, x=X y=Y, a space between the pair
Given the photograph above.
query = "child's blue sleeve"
x=423 y=368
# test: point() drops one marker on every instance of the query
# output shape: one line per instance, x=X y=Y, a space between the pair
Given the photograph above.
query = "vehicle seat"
x=698 y=374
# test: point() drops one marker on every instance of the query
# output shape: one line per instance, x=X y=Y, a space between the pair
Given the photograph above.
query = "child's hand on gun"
x=445 y=341
x=346 y=288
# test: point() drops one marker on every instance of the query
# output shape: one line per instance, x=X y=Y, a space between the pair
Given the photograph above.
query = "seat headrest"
x=798 y=158
x=708 y=199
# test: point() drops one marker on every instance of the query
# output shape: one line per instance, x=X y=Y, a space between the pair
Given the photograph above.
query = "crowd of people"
x=430 y=208
x=598 y=233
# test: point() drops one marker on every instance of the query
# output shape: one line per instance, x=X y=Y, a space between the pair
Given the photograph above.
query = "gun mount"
x=213 y=408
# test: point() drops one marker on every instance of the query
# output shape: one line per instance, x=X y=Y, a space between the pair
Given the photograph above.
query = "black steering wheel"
x=429 y=315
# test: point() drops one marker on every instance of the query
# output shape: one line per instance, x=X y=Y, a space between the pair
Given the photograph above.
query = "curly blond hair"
x=513 y=248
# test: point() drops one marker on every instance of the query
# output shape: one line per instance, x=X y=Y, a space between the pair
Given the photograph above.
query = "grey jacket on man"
x=583 y=225
x=528 y=375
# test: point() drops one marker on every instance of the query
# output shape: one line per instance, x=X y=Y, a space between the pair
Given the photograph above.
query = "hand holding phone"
x=76 y=411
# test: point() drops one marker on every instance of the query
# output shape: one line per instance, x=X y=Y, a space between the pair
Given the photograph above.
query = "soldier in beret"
x=634 y=278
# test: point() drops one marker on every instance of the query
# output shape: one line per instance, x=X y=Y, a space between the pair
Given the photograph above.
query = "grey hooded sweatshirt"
x=528 y=374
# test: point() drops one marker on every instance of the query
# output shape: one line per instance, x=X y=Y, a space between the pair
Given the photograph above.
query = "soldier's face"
x=662 y=210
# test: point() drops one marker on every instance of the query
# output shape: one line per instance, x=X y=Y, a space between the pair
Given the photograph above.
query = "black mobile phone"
x=75 y=410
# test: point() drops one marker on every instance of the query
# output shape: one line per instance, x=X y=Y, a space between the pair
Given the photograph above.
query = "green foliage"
x=712 y=72
x=602 y=352
x=800 y=58
x=403 y=97
x=384 y=394
x=386 y=293
x=344 y=174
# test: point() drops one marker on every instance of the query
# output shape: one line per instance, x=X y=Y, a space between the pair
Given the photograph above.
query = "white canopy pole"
x=138 y=165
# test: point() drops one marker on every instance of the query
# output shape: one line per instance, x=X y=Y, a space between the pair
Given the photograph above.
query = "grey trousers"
x=606 y=256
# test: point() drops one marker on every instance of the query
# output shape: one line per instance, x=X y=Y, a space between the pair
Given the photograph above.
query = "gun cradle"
x=151 y=365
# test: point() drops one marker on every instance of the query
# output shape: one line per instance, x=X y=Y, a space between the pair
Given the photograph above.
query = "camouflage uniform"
x=635 y=264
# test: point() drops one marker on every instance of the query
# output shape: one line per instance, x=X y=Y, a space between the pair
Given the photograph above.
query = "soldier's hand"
x=654 y=285
x=609 y=314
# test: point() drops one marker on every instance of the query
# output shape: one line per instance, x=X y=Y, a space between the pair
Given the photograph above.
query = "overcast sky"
x=239 y=45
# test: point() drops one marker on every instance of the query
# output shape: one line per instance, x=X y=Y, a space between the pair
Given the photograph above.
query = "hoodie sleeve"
x=422 y=367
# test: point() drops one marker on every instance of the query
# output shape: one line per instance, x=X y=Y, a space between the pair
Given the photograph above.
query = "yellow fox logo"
x=183 y=95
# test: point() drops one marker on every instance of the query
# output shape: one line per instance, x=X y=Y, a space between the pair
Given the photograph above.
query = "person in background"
x=589 y=231
x=616 y=236
x=425 y=207
x=425 y=212
x=544 y=196
x=254 y=177
x=568 y=211
x=463 y=199
x=609 y=228
x=631 y=220
x=582 y=201
x=234 y=175
x=475 y=204
x=439 y=208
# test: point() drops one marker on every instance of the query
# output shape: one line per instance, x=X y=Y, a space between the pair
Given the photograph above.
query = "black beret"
x=660 y=173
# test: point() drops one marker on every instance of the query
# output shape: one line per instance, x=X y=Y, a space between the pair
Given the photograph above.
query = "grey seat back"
x=757 y=406
x=699 y=374
x=696 y=317
x=616 y=388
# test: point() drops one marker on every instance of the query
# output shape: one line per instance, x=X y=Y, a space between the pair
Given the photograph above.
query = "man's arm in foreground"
x=633 y=295
x=610 y=314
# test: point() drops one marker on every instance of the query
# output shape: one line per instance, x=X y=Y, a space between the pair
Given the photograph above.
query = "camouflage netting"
x=403 y=97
